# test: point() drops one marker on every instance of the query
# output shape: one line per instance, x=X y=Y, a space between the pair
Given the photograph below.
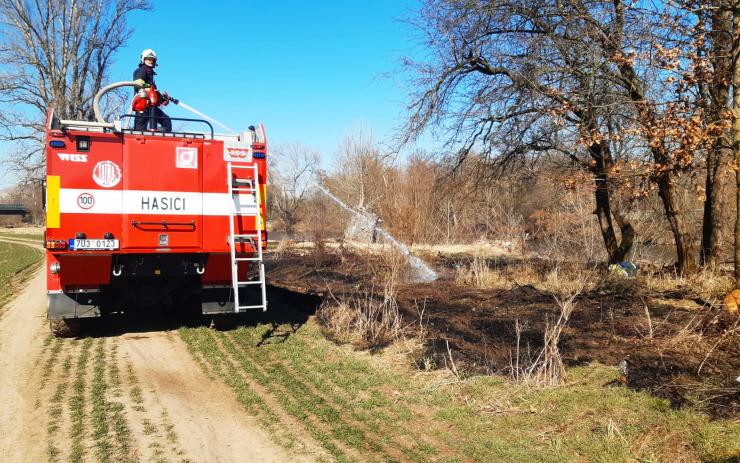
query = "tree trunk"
x=736 y=136
x=736 y=130
x=714 y=206
x=617 y=252
x=686 y=263
x=721 y=150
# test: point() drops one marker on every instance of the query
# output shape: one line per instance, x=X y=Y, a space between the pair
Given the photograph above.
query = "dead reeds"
x=478 y=274
x=547 y=368
x=371 y=319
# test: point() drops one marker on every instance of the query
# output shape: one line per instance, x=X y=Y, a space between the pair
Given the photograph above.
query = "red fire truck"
x=146 y=218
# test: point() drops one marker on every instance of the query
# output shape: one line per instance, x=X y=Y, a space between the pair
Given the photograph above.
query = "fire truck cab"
x=144 y=219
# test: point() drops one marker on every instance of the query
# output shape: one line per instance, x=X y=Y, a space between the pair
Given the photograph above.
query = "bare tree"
x=512 y=81
x=718 y=19
x=515 y=80
x=361 y=171
x=292 y=172
x=54 y=54
x=736 y=129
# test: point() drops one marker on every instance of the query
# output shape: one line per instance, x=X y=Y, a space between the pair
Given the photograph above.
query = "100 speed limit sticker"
x=85 y=201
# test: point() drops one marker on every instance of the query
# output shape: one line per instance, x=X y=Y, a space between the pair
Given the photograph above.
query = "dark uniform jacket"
x=146 y=74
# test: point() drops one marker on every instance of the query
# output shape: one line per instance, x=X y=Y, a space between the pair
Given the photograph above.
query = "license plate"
x=95 y=244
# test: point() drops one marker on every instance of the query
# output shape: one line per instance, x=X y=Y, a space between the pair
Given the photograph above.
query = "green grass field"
x=358 y=408
x=16 y=261
x=22 y=236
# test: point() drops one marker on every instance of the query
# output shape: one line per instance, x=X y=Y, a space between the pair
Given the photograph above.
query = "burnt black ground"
x=607 y=326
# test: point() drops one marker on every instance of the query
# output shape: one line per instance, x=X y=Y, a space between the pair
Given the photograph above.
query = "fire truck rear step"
x=234 y=213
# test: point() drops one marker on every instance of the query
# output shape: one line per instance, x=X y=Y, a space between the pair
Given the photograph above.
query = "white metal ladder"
x=238 y=185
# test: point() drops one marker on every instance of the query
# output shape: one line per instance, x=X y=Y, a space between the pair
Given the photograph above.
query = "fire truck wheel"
x=69 y=328
x=223 y=322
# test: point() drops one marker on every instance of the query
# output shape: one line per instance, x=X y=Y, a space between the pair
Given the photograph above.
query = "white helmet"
x=148 y=53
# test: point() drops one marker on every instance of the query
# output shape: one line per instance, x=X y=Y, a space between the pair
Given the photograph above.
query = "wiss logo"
x=73 y=157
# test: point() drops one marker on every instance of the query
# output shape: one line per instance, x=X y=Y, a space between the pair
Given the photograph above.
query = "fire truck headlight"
x=54 y=267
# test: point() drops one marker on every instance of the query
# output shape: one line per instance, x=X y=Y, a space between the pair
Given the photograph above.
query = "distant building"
x=13 y=215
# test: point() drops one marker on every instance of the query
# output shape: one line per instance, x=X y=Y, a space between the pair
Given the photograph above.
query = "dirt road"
x=133 y=396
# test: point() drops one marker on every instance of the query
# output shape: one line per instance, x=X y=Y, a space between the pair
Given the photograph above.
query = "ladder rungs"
x=247 y=184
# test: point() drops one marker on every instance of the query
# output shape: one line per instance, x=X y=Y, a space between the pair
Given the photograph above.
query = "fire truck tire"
x=223 y=322
x=69 y=328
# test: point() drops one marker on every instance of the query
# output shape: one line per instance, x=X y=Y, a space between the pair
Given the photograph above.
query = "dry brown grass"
x=372 y=317
x=371 y=320
x=559 y=279
x=280 y=248
x=547 y=368
x=708 y=285
x=479 y=274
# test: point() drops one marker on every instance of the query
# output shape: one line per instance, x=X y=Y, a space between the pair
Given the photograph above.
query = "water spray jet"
x=421 y=272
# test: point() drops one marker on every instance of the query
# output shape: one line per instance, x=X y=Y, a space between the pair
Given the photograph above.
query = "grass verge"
x=36 y=237
x=357 y=407
x=17 y=262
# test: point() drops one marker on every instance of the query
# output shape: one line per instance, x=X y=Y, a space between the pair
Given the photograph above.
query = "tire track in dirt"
x=205 y=411
x=157 y=438
x=21 y=344
x=74 y=400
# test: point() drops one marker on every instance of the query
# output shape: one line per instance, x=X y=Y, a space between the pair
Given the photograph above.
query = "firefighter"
x=144 y=76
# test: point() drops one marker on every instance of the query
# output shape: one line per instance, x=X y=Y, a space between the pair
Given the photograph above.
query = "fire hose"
x=107 y=88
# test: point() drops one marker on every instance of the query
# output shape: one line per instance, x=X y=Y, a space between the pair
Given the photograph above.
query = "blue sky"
x=312 y=71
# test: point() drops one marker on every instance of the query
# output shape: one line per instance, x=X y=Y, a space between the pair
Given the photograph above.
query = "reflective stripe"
x=53 y=217
x=153 y=202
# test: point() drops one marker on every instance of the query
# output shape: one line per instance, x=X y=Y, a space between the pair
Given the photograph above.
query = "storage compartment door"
x=162 y=197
